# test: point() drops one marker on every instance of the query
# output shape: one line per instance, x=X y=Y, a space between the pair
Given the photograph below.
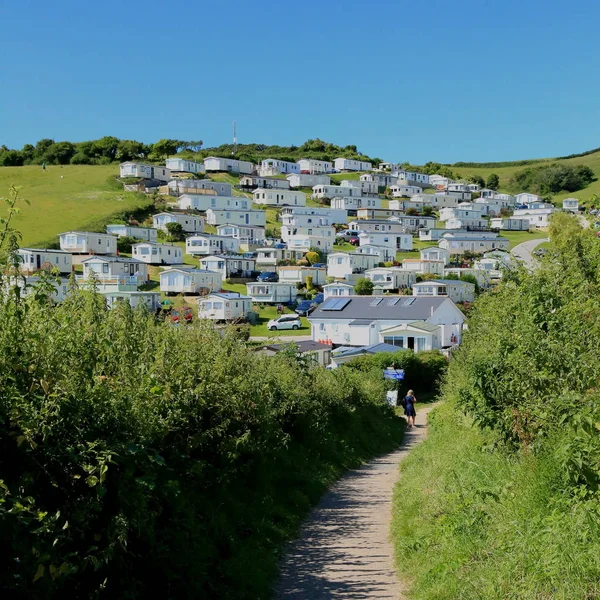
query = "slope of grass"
x=65 y=198
x=518 y=237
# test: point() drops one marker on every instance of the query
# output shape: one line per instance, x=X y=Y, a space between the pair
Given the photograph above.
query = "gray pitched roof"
x=362 y=308
x=374 y=349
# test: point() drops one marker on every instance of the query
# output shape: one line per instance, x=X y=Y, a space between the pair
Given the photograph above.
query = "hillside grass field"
x=85 y=198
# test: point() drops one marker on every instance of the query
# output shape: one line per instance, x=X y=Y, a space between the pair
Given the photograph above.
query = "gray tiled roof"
x=360 y=307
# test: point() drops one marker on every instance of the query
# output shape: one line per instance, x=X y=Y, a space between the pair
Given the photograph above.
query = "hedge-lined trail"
x=344 y=548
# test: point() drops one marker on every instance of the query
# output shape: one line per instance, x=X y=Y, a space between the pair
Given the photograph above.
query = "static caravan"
x=460 y=245
x=336 y=191
x=151 y=300
x=272 y=293
x=117 y=271
x=457 y=291
x=189 y=223
x=320 y=232
x=85 y=242
x=236 y=217
x=310 y=166
x=211 y=244
x=349 y=164
x=319 y=217
x=34 y=259
x=266 y=258
x=306 y=242
x=199 y=186
x=423 y=266
x=157 y=254
x=203 y=202
x=537 y=217
x=279 y=197
x=28 y=285
x=342 y=265
x=403 y=190
x=397 y=241
x=510 y=224
x=298 y=274
x=306 y=180
x=215 y=163
x=229 y=265
x=148 y=234
x=392 y=278
x=273 y=166
x=244 y=233
x=571 y=205
x=338 y=289
x=252 y=182
x=189 y=281
x=181 y=165
x=229 y=306
x=368 y=188
x=143 y=171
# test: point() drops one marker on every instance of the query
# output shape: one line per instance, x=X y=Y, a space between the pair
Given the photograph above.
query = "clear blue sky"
x=417 y=81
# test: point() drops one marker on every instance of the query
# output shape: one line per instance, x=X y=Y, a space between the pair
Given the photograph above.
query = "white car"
x=285 y=322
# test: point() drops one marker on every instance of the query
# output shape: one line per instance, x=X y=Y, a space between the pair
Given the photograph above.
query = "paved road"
x=344 y=548
x=281 y=339
x=524 y=251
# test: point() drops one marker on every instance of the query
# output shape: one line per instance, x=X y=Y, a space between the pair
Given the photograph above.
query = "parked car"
x=285 y=322
x=305 y=307
x=319 y=265
x=269 y=276
x=346 y=234
x=319 y=298
x=354 y=241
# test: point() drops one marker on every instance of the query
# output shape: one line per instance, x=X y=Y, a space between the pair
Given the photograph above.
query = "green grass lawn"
x=517 y=237
x=85 y=198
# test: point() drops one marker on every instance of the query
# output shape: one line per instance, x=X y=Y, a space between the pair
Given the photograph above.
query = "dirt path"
x=344 y=550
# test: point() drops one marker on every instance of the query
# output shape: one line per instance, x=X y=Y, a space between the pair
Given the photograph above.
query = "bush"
x=363 y=287
x=124 y=244
x=175 y=232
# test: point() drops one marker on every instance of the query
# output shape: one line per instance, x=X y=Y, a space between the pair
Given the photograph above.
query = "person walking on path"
x=409 y=407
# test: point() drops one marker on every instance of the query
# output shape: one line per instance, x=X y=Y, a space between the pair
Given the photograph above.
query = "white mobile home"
x=355 y=204
x=462 y=211
x=435 y=253
x=182 y=165
x=376 y=226
x=216 y=216
x=436 y=201
x=526 y=198
x=27 y=285
x=396 y=241
x=571 y=205
x=143 y=171
x=306 y=242
x=537 y=217
x=224 y=306
x=272 y=293
x=403 y=190
x=229 y=265
x=268 y=257
x=431 y=235
x=151 y=300
x=273 y=166
x=338 y=289
x=306 y=180
x=473 y=224
x=412 y=177
x=278 y=197
x=185 y=280
x=208 y=243
x=342 y=265
x=412 y=223
x=147 y=234
x=336 y=191
x=456 y=290
x=478 y=245
x=368 y=188
x=252 y=182
x=85 y=242
x=157 y=254
x=244 y=233
x=189 y=223
x=215 y=163
x=115 y=272
x=310 y=166
x=199 y=186
x=510 y=224
x=423 y=266
x=318 y=217
x=323 y=232
x=349 y=164
x=34 y=259
x=203 y=202
x=392 y=278
x=298 y=274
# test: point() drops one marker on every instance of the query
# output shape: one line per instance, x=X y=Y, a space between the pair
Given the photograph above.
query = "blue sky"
x=433 y=80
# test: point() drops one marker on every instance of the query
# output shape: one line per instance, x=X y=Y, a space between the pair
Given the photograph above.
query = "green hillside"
x=67 y=197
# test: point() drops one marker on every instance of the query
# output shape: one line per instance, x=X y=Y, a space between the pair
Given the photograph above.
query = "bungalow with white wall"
x=34 y=259
x=150 y=172
x=306 y=180
x=435 y=253
x=412 y=177
x=189 y=223
x=390 y=278
x=407 y=203
x=403 y=190
x=268 y=257
x=298 y=274
x=199 y=186
x=224 y=306
x=28 y=285
x=423 y=266
x=85 y=242
x=157 y=254
x=395 y=241
x=188 y=280
x=310 y=166
x=317 y=217
x=349 y=164
x=478 y=245
x=279 y=197
x=507 y=197
x=431 y=235
x=439 y=181
x=510 y=224
x=368 y=188
x=244 y=233
x=537 y=217
x=229 y=265
x=324 y=232
x=115 y=272
x=343 y=265
x=182 y=165
x=492 y=207
x=215 y=216
x=413 y=223
x=229 y=165
x=306 y=242
x=376 y=226
x=461 y=211
x=252 y=182
x=208 y=243
x=272 y=293
x=527 y=198
x=472 y=224
x=147 y=234
x=456 y=290
x=359 y=320
x=337 y=289
x=150 y=300
x=436 y=201
x=336 y=191
x=203 y=202
x=418 y=336
x=460 y=196
x=274 y=166
x=571 y=205
x=355 y=204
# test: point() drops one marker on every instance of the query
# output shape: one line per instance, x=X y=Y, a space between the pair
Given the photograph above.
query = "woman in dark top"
x=409 y=407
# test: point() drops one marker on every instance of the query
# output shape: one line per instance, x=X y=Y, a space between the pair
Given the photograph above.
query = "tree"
x=478 y=179
x=363 y=287
x=427 y=211
x=493 y=182
x=164 y=148
x=175 y=232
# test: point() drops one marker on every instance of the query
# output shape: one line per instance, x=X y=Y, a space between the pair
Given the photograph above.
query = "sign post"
x=395 y=375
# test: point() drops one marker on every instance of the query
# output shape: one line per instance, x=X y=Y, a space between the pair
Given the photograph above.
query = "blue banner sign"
x=397 y=374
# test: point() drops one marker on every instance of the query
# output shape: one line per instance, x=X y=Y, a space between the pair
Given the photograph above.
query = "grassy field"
x=65 y=198
x=517 y=237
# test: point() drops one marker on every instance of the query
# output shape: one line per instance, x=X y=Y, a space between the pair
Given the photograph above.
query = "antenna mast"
x=234 y=140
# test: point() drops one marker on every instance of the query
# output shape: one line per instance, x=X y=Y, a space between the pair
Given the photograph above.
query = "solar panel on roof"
x=335 y=303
